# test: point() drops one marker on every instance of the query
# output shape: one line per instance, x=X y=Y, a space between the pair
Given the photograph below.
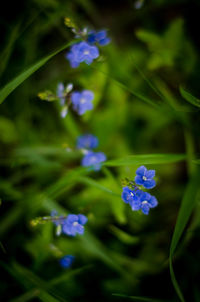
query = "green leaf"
x=189 y=97
x=146 y=159
x=4 y=57
x=62 y=278
x=187 y=206
x=91 y=182
x=123 y=236
x=130 y=90
x=26 y=296
x=12 y=85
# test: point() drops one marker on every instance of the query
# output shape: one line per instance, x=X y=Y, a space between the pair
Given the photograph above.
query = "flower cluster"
x=91 y=159
x=86 y=50
x=81 y=100
x=135 y=197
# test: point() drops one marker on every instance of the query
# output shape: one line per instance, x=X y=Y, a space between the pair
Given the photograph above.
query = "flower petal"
x=150 y=174
x=71 y=218
x=135 y=205
x=149 y=184
x=141 y=171
x=145 y=208
x=82 y=219
x=153 y=202
x=139 y=180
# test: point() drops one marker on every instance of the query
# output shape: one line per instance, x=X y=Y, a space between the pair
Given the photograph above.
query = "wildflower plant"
x=87 y=49
x=81 y=100
x=133 y=194
x=70 y=225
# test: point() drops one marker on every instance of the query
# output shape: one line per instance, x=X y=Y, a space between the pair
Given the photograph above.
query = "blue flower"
x=87 y=141
x=130 y=196
x=82 y=101
x=144 y=177
x=82 y=52
x=98 y=37
x=66 y=261
x=147 y=201
x=93 y=160
x=74 y=224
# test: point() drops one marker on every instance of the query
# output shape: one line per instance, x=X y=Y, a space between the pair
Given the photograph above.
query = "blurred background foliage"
x=138 y=109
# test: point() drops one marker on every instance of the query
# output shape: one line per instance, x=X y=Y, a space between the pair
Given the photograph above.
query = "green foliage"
x=11 y=86
x=187 y=205
x=166 y=48
x=146 y=159
x=189 y=97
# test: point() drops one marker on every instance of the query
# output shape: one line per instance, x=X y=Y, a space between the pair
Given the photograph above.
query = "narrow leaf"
x=190 y=98
x=187 y=206
x=146 y=159
x=95 y=184
x=12 y=85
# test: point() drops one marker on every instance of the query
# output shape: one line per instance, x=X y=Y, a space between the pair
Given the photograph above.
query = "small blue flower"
x=82 y=101
x=82 y=52
x=87 y=141
x=144 y=177
x=93 y=160
x=147 y=201
x=128 y=195
x=74 y=224
x=99 y=37
x=66 y=261
x=131 y=197
x=72 y=57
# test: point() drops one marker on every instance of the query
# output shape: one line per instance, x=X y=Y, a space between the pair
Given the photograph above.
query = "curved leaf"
x=187 y=206
x=146 y=159
x=13 y=84
x=189 y=97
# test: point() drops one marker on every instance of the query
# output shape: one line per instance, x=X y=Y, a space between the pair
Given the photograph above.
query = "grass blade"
x=146 y=159
x=93 y=183
x=26 y=296
x=190 y=98
x=126 y=88
x=187 y=206
x=12 y=85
